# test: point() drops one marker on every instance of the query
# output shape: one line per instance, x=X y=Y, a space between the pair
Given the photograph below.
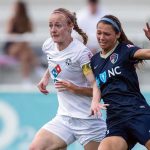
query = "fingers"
x=61 y=89
x=147 y=25
x=96 y=109
x=59 y=85
x=64 y=83
x=95 y=112
x=147 y=29
x=42 y=88
x=103 y=106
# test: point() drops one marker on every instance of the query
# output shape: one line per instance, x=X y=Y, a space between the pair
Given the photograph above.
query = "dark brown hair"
x=123 y=38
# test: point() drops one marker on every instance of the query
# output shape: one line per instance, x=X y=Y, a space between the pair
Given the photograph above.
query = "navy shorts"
x=134 y=130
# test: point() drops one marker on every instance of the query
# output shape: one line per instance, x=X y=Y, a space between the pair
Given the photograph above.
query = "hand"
x=96 y=107
x=147 y=31
x=65 y=86
x=42 y=85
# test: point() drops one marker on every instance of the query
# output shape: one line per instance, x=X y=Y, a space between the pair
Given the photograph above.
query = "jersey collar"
x=110 y=52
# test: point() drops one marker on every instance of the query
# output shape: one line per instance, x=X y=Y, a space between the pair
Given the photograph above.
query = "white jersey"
x=67 y=65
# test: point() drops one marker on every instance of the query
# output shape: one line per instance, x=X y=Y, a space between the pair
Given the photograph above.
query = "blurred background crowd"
x=24 y=28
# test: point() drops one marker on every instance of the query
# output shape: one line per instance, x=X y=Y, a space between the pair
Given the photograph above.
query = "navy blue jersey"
x=116 y=77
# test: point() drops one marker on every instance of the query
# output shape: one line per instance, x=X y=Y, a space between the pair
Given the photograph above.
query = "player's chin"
x=56 y=39
x=103 y=46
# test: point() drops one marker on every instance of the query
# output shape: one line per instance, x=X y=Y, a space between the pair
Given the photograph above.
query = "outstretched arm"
x=147 y=30
x=143 y=54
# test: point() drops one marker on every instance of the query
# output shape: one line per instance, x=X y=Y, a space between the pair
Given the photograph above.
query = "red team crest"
x=58 y=69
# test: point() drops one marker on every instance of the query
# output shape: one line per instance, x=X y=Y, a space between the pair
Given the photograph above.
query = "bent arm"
x=64 y=85
x=86 y=91
x=44 y=82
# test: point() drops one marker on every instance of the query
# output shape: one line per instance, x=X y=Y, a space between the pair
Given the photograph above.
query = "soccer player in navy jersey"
x=128 y=114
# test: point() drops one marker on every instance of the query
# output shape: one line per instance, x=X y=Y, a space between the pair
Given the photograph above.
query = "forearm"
x=96 y=93
x=142 y=54
x=86 y=91
x=46 y=74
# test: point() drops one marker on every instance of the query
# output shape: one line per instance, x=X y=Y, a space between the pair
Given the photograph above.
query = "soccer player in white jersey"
x=68 y=67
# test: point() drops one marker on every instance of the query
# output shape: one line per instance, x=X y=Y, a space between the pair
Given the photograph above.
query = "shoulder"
x=78 y=46
x=80 y=50
x=129 y=50
x=48 y=44
x=95 y=56
x=128 y=46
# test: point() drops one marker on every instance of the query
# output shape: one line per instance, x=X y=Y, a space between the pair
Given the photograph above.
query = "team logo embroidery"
x=90 y=55
x=130 y=46
x=68 y=61
x=103 y=76
x=56 y=71
x=114 y=58
x=48 y=57
x=107 y=132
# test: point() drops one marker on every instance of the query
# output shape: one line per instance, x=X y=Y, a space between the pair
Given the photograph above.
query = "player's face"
x=59 y=28
x=106 y=36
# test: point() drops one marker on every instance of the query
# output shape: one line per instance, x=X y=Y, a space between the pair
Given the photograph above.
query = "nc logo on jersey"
x=103 y=77
x=68 y=61
x=114 y=58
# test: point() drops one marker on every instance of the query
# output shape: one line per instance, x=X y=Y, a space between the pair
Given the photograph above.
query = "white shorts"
x=71 y=129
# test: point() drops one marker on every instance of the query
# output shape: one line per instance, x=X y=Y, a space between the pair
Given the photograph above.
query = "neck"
x=62 y=45
x=105 y=51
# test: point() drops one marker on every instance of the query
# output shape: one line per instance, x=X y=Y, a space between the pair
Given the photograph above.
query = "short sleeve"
x=47 y=45
x=85 y=57
x=131 y=49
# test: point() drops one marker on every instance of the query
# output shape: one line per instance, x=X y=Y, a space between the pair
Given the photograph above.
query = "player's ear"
x=118 y=35
x=70 y=26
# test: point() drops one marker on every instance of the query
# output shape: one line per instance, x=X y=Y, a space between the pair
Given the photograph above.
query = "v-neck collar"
x=110 y=52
